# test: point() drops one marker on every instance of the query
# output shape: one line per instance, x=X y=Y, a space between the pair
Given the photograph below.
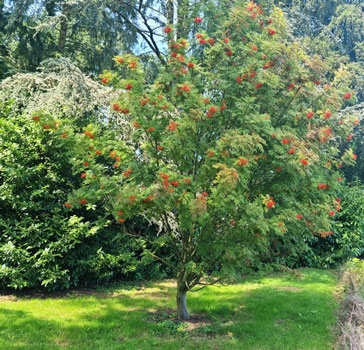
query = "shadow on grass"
x=257 y=315
x=83 y=321
x=20 y=330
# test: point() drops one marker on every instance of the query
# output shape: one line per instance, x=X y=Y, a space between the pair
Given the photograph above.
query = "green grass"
x=276 y=312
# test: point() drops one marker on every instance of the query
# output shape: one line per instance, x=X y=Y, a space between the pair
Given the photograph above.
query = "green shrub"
x=347 y=240
x=42 y=243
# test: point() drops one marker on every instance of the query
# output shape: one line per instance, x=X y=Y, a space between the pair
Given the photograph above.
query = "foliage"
x=41 y=244
x=80 y=30
x=87 y=32
x=59 y=88
x=355 y=267
x=227 y=158
x=355 y=140
x=123 y=316
x=347 y=239
x=331 y=29
x=4 y=63
x=347 y=28
x=33 y=180
x=347 y=25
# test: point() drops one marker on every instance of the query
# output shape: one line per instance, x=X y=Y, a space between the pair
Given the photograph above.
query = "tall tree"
x=232 y=150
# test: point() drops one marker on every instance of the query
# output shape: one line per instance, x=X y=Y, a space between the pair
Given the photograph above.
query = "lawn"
x=279 y=312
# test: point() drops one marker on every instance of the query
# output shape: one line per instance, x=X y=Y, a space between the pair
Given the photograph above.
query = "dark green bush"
x=347 y=239
x=42 y=243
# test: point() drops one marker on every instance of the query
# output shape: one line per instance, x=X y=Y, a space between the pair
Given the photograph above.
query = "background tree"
x=333 y=30
x=60 y=89
x=231 y=152
x=87 y=33
x=4 y=64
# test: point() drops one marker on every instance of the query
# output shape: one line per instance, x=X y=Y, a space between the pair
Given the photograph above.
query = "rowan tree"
x=233 y=151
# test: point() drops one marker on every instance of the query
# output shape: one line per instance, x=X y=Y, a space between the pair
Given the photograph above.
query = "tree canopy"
x=234 y=160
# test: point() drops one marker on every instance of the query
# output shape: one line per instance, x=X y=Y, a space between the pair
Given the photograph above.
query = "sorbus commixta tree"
x=231 y=152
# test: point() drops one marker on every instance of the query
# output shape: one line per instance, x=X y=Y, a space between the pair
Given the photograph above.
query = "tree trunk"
x=182 y=311
x=62 y=37
x=182 y=24
x=170 y=12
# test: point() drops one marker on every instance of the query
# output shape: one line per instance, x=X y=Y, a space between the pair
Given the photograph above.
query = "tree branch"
x=147 y=35
x=206 y=284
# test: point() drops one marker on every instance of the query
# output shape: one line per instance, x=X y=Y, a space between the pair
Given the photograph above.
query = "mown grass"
x=276 y=312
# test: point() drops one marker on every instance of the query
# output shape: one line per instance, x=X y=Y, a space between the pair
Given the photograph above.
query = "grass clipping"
x=351 y=318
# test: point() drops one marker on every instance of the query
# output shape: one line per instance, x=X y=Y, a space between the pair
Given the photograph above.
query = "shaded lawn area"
x=273 y=312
